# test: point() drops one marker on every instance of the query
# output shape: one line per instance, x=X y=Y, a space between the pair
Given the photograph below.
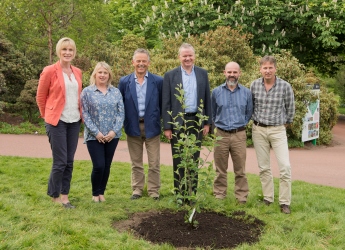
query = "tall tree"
x=313 y=29
x=35 y=26
x=129 y=19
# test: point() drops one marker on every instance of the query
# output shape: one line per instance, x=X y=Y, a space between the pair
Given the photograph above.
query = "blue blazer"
x=153 y=105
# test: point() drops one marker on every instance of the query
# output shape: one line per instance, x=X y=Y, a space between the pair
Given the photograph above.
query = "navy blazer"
x=170 y=103
x=153 y=105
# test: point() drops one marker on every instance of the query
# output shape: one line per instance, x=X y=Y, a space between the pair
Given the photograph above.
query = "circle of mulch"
x=214 y=230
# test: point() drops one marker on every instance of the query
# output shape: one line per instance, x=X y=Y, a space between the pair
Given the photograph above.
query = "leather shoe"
x=285 y=209
x=68 y=205
x=267 y=203
x=135 y=197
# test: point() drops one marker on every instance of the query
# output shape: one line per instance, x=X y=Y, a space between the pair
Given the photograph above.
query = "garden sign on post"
x=311 y=125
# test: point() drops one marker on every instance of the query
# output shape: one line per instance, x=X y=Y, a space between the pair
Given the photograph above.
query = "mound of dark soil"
x=214 y=230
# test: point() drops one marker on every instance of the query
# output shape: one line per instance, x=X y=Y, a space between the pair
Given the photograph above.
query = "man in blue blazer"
x=142 y=97
x=194 y=81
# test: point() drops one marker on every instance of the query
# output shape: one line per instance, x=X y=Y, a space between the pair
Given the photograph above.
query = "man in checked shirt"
x=274 y=110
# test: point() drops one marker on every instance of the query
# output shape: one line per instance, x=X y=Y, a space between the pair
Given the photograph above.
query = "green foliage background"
x=220 y=31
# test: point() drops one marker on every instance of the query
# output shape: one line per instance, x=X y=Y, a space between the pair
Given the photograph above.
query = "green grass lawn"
x=29 y=220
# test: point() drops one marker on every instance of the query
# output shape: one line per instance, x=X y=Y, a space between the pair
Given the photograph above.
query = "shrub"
x=26 y=102
x=15 y=70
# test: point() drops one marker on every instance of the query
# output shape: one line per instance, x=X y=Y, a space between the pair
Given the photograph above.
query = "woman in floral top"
x=103 y=114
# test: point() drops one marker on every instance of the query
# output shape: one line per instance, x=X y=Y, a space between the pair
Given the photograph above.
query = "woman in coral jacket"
x=58 y=100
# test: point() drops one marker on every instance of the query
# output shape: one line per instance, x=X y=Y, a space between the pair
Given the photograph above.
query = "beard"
x=232 y=81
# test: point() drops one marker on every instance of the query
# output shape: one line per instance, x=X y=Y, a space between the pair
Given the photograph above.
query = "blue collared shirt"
x=102 y=112
x=141 y=94
x=231 y=109
x=190 y=90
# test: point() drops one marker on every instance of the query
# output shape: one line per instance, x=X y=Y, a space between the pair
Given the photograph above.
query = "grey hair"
x=186 y=46
x=141 y=51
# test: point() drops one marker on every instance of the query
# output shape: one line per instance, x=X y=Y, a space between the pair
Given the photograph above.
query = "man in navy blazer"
x=142 y=97
x=194 y=81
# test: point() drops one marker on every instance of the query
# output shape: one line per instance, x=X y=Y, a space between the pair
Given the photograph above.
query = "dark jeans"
x=179 y=172
x=63 y=139
x=101 y=156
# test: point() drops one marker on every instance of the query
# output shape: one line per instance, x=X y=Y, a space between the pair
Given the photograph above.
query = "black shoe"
x=156 y=198
x=285 y=209
x=135 y=197
x=267 y=203
x=68 y=205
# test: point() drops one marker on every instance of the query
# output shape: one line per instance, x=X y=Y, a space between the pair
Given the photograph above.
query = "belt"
x=261 y=124
x=190 y=114
x=232 y=131
x=141 y=119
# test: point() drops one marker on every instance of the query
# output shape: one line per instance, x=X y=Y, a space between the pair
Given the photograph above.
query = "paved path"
x=320 y=165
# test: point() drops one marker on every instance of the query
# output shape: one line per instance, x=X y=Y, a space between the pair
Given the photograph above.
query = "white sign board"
x=311 y=121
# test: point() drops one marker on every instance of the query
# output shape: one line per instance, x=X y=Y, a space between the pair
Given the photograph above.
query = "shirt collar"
x=146 y=75
x=184 y=71
x=225 y=86
x=94 y=87
x=275 y=81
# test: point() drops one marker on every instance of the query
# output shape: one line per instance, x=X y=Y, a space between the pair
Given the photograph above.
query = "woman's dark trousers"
x=101 y=156
x=63 y=139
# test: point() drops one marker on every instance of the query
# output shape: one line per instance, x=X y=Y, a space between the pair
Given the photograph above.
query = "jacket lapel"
x=133 y=91
x=199 y=84
x=78 y=78
x=59 y=75
x=178 y=77
x=149 y=89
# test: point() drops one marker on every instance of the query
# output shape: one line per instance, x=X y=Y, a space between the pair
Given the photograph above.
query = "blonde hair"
x=97 y=67
x=63 y=43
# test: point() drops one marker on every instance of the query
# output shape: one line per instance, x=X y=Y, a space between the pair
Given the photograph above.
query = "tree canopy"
x=221 y=31
x=314 y=30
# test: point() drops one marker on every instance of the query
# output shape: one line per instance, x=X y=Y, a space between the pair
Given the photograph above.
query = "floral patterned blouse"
x=102 y=112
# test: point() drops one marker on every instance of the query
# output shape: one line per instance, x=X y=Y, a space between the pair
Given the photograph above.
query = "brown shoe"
x=241 y=202
x=267 y=203
x=285 y=209
x=135 y=197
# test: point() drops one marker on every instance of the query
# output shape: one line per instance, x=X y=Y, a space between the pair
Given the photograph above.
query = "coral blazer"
x=51 y=93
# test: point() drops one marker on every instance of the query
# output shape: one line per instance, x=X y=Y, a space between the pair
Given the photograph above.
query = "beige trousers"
x=136 y=148
x=235 y=144
x=275 y=137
